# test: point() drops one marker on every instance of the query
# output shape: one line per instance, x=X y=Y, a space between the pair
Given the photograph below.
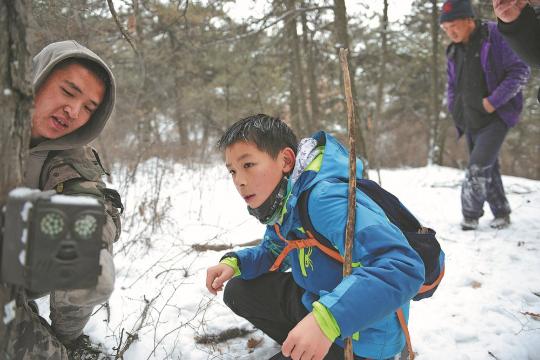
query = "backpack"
x=420 y=238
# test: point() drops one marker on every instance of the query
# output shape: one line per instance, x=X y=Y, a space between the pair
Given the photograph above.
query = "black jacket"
x=523 y=35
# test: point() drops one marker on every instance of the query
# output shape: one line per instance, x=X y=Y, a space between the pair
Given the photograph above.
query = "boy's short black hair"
x=269 y=134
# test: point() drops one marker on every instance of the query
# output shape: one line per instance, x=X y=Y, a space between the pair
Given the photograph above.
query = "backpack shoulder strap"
x=398 y=214
x=305 y=220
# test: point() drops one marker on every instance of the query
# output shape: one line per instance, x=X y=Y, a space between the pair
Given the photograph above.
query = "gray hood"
x=42 y=65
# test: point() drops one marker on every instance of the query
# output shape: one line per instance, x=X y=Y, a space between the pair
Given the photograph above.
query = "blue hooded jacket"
x=386 y=273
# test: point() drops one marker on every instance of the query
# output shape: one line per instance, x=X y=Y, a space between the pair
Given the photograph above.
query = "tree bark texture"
x=16 y=106
x=15 y=93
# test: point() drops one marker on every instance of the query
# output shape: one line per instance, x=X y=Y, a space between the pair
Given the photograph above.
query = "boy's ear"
x=288 y=159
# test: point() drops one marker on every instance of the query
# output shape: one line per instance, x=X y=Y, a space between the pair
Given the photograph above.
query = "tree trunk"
x=435 y=149
x=377 y=118
x=382 y=64
x=342 y=41
x=15 y=95
x=298 y=96
x=16 y=105
x=145 y=125
x=311 y=77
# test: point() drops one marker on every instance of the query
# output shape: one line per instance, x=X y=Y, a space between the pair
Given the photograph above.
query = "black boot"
x=82 y=349
x=469 y=224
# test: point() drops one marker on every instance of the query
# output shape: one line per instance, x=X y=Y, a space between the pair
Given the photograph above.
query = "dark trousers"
x=272 y=303
x=483 y=178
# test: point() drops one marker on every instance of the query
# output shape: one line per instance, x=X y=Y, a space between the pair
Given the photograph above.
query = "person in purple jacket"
x=485 y=78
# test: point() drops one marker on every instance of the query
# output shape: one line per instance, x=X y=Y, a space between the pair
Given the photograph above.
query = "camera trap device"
x=50 y=241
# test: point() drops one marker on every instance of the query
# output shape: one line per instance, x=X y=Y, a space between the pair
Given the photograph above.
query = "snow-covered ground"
x=487 y=307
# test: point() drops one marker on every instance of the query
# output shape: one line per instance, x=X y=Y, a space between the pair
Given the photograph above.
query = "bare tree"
x=436 y=141
x=297 y=99
x=16 y=104
x=374 y=149
x=16 y=93
x=307 y=45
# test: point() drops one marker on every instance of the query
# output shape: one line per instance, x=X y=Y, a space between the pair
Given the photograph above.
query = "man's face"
x=66 y=101
x=458 y=30
x=254 y=172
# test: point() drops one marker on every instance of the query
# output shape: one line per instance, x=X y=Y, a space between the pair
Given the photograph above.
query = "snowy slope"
x=485 y=308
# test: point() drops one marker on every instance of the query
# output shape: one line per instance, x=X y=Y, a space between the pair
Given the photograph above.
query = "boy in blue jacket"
x=313 y=308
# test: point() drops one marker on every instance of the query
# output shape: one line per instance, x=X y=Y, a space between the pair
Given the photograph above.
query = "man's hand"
x=216 y=277
x=508 y=10
x=487 y=106
x=306 y=341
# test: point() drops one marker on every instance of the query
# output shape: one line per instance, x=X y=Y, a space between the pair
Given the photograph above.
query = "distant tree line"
x=193 y=70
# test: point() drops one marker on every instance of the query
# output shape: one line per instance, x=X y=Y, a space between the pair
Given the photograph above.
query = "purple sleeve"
x=516 y=72
x=450 y=71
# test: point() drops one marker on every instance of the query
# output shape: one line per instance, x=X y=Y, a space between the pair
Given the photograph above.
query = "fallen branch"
x=221 y=247
x=223 y=336
x=533 y=315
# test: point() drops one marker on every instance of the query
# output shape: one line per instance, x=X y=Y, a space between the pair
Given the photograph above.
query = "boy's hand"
x=216 y=276
x=508 y=10
x=306 y=341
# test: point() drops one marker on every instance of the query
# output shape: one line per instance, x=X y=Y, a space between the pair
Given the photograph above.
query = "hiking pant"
x=482 y=177
x=272 y=303
x=71 y=309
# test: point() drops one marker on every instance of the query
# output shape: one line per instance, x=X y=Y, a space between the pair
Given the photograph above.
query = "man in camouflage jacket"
x=74 y=97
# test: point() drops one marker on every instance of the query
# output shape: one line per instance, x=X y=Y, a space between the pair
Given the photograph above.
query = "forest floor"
x=488 y=306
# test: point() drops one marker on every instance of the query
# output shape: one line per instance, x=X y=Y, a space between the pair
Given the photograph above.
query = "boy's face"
x=254 y=172
x=66 y=101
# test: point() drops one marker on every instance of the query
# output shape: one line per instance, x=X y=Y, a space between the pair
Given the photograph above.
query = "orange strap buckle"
x=300 y=244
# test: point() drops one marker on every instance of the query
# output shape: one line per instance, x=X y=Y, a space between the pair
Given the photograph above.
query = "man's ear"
x=288 y=159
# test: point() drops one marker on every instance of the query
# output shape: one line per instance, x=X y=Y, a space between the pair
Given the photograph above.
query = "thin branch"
x=121 y=28
x=133 y=336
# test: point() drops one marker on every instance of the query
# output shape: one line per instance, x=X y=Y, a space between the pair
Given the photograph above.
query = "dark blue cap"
x=456 y=9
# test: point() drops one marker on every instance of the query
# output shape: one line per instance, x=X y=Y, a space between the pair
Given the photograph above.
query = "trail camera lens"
x=52 y=224
x=85 y=226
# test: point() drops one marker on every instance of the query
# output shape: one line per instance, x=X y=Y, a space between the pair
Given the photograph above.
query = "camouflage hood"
x=42 y=65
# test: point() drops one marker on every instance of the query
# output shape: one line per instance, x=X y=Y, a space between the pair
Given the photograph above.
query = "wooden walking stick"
x=351 y=217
